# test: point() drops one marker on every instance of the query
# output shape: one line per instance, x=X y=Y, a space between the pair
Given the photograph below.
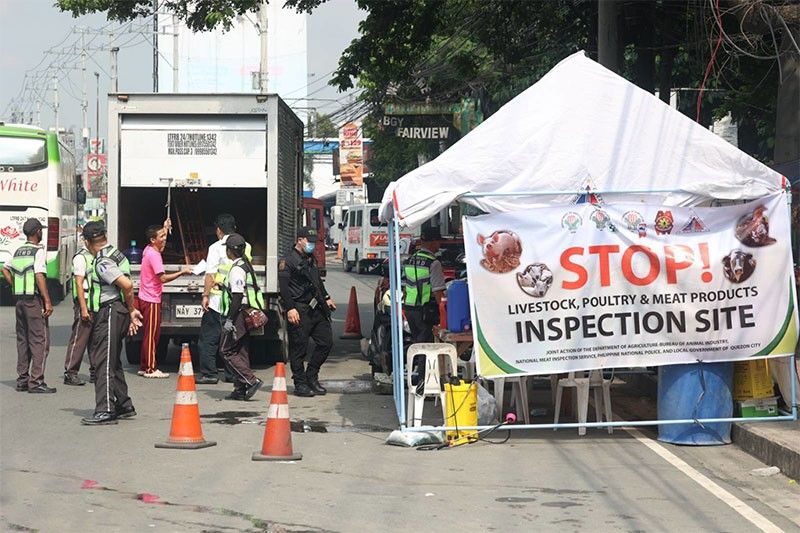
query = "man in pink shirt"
x=151 y=282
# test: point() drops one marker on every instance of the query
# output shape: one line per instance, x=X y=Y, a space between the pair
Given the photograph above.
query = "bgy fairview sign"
x=424 y=127
x=586 y=286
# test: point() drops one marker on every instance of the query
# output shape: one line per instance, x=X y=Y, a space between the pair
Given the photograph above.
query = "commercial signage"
x=351 y=155
x=424 y=127
x=589 y=286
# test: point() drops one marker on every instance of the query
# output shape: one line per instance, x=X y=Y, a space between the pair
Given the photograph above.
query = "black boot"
x=314 y=385
x=302 y=389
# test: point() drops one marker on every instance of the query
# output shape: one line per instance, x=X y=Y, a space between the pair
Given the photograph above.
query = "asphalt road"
x=57 y=475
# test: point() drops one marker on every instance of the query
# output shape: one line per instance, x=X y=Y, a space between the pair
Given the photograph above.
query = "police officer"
x=241 y=291
x=113 y=316
x=423 y=285
x=308 y=311
x=217 y=267
x=26 y=273
x=82 y=263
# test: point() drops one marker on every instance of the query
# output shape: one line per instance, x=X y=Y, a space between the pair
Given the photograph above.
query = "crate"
x=751 y=380
x=758 y=408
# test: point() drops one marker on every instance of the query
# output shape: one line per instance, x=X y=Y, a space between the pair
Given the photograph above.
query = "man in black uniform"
x=308 y=311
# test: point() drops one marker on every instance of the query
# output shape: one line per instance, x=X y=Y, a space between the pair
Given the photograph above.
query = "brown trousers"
x=78 y=342
x=109 y=328
x=33 y=342
x=235 y=348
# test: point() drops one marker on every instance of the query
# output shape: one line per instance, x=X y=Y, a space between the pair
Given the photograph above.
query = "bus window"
x=23 y=152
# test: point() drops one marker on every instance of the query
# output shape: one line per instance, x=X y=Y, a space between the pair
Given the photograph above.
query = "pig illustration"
x=501 y=251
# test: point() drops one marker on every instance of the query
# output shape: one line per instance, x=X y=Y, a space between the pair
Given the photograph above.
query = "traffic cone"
x=186 y=432
x=277 y=445
x=339 y=251
x=352 y=323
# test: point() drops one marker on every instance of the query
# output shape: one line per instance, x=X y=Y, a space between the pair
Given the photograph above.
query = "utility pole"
x=114 y=78
x=608 y=50
x=97 y=114
x=55 y=98
x=175 y=52
x=262 y=32
x=84 y=106
x=39 y=113
x=155 y=46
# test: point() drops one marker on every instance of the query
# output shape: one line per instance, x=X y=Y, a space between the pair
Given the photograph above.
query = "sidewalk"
x=772 y=443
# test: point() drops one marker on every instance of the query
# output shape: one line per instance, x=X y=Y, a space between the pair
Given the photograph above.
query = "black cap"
x=31 y=226
x=234 y=241
x=306 y=232
x=93 y=229
x=430 y=233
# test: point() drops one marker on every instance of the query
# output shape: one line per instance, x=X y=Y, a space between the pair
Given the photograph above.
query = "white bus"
x=37 y=180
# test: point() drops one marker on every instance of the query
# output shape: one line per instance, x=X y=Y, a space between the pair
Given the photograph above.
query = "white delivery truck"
x=205 y=154
x=365 y=239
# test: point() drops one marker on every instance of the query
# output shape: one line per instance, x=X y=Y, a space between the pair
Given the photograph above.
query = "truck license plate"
x=188 y=311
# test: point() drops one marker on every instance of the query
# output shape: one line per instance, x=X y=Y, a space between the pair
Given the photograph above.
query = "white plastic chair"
x=433 y=353
x=519 y=391
x=583 y=384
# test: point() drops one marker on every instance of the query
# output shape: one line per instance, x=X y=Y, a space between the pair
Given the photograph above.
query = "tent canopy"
x=580 y=125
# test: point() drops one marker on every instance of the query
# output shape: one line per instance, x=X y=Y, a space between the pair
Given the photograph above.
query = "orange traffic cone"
x=277 y=445
x=339 y=251
x=352 y=323
x=186 y=432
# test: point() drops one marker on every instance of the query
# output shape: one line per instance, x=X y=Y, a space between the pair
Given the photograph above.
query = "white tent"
x=581 y=125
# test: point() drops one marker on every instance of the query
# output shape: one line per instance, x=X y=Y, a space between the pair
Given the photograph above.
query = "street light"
x=97 y=115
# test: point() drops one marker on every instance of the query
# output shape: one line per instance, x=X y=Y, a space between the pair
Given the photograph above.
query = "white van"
x=365 y=239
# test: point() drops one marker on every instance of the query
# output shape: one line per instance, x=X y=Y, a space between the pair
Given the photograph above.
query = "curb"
x=771 y=445
x=341 y=386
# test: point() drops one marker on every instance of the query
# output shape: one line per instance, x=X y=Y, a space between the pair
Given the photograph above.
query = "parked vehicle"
x=206 y=154
x=365 y=241
x=37 y=180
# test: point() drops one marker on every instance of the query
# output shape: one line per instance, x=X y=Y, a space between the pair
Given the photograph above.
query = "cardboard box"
x=751 y=379
x=759 y=407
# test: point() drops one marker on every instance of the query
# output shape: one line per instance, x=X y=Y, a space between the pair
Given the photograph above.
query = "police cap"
x=234 y=241
x=430 y=233
x=31 y=226
x=307 y=232
x=93 y=230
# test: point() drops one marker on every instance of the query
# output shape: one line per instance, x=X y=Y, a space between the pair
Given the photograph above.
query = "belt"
x=106 y=304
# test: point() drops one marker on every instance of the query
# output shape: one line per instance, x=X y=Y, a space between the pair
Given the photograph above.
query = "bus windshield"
x=22 y=152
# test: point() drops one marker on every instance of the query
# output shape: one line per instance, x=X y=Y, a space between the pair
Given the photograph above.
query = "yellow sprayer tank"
x=462 y=410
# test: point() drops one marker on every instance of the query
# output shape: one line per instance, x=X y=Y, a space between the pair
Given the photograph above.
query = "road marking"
x=729 y=499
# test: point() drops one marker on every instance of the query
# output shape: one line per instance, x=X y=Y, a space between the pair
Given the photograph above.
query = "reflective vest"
x=89 y=258
x=21 y=268
x=254 y=296
x=223 y=269
x=96 y=283
x=417 y=278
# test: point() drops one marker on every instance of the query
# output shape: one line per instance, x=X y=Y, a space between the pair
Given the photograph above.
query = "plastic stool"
x=433 y=353
x=583 y=384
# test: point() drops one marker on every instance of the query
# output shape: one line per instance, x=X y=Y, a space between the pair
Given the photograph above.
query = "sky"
x=28 y=28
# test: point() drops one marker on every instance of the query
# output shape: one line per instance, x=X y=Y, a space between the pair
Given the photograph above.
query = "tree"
x=730 y=52
x=321 y=126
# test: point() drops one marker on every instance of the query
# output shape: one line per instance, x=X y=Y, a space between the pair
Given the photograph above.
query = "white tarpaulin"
x=581 y=125
x=579 y=287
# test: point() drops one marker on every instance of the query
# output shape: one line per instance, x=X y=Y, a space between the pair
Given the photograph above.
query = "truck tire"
x=361 y=267
x=347 y=265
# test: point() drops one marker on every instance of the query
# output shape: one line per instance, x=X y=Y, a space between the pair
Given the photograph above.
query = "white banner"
x=586 y=286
